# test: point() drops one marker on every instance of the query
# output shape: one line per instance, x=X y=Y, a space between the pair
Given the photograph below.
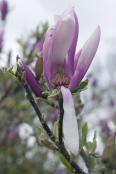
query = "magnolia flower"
x=4 y=8
x=62 y=68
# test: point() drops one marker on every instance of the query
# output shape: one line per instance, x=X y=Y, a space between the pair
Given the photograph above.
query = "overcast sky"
x=25 y=15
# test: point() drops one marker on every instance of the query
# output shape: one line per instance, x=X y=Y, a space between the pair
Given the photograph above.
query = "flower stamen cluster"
x=60 y=79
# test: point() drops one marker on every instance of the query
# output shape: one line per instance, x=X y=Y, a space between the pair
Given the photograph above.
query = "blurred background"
x=22 y=29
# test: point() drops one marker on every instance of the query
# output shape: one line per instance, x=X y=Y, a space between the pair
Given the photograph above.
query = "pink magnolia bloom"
x=65 y=69
x=4 y=8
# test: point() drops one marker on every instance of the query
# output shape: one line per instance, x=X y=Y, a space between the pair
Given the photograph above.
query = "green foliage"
x=92 y=161
x=91 y=146
x=81 y=87
x=64 y=162
x=84 y=134
x=9 y=70
x=95 y=136
x=55 y=129
x=41 y=129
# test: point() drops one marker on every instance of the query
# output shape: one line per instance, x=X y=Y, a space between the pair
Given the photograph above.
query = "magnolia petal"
x=71 y=52
x=77 y=58
x=32 y=81
x=88 y=52
x=62 y=41
x=70 y=126
x=45 y=55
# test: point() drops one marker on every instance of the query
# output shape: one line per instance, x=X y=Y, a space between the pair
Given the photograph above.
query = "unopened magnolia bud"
x=43 y=136
x=72 y=157
x=94 y=145
x=39 y=68
x=47 y=143
x=79 y=108
x=77 y=101
x=107 y=153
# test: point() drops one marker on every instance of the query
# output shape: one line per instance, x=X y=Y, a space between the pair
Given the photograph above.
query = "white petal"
x=70 y=126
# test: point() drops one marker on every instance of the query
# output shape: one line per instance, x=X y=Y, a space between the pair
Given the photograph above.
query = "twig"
x=86 y=160
x=64 y=152
x=48 y=102
x=40 y=116
x=60 y=120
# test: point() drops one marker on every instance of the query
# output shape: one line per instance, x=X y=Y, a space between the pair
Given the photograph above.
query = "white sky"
x=27 y=14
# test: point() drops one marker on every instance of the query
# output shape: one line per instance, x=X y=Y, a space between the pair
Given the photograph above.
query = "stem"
x=60 y=120
x=48 y=102
x=63 y=151
x=40 y=116
x=86 y=160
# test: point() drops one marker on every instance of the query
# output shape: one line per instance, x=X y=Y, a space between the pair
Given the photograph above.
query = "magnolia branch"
x=86 y=160
x=60 y=120
x=61 y=147
x=40 y=116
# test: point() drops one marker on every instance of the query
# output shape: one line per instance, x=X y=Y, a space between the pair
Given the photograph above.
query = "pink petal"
x=71 y=52
x=86 y=57
x=70 y=126
x=77 y=58
x=45 y=55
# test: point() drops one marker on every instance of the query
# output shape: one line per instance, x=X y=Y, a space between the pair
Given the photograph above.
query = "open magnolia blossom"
x=62 y=68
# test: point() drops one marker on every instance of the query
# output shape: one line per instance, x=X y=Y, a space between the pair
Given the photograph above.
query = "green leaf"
x=64 y=162
x=88 y=145
x=95 y=136
x=41 y=129
x=81 y=87
x=43 y=99
x=55 y=129
x=84 y=134
x=92 y=161
x=9 y=70
x=91 y=146
x=84 y=128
